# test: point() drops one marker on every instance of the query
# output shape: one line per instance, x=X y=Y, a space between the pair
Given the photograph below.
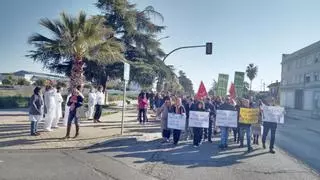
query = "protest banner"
x=249 y=115
x=226 y=118
x=222 y=84
x=273 y=114
x=176 y=121
x=238 y=83
x=199 y=119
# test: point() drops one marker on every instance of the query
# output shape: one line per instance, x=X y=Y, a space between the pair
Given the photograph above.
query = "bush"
x=113 y=97
x=23 y=82
x=8 y=102
x=40 y=82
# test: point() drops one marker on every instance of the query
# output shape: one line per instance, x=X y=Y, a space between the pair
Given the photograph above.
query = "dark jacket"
x=35 y=105
x=181 y=109
x=79 y=102
x=226 y=106
x=210 y=108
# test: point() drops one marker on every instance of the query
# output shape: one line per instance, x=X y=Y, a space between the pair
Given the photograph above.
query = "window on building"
x=316 y=76
x=307 y=78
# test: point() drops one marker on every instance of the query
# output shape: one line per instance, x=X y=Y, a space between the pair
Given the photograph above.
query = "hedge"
x=8 y=102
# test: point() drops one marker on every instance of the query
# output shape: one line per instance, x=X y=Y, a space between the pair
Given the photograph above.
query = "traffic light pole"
x=183 y=47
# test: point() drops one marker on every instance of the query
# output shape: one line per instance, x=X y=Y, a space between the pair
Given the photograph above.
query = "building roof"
x=23 y=72
x=276 y=84
x=302 y=52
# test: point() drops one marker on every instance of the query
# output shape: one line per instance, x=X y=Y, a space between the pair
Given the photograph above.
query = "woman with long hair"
x=35 y=112
x=75 y=101
x=177 y=108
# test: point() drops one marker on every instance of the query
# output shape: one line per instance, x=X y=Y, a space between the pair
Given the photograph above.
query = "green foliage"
x=40 y=82
x=252 y=72
x=8 y=102
x=23 y=82
x=61 y=84
x=9 y=80
x=72 y=40
x=213 y=89
x=186 y=83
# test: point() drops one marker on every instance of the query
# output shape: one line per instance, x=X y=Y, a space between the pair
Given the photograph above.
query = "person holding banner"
x=164 y=111
x=177 y=108
x=227 y=105
x=212 y=110
x=270 y=123
x=197 y=131
x=245 y=127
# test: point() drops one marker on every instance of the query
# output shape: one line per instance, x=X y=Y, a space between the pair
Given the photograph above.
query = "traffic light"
x=209 y=48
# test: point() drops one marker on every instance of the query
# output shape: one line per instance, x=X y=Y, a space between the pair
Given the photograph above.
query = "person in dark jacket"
x=212 y=111
x=74 y=102
x=268 y=126
x=236 y=131
x=177 y=108
x=197 y=131
x=225 y=130
x=35 y=111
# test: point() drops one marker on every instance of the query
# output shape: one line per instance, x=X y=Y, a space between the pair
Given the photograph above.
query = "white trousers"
x=49 y=119
x=66 y=115
x=90 y=111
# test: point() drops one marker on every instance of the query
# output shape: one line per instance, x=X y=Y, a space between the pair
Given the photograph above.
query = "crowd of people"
x=163 y=104
x=47 y=106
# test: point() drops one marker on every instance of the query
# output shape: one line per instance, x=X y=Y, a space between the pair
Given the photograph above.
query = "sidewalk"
x=15 y=130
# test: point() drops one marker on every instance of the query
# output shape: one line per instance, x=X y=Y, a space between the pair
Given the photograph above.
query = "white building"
x=300 y=82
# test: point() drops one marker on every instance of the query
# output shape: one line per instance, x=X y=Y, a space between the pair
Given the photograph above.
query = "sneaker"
x=272 y=151
x=241 y=146
x=250 y=149
x=35 y=134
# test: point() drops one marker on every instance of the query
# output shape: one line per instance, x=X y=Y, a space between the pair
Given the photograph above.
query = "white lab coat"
x=91 y=104
x=59 y=100
x=50 y=103
x=66 y=111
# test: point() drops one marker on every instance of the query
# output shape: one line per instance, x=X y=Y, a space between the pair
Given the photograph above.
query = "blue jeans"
x=34 y=127
x=72 y=115
x=224 y=136
x=245 y=129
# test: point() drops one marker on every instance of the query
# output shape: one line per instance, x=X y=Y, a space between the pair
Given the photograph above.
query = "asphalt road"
x=129 y=158
x=301 y=139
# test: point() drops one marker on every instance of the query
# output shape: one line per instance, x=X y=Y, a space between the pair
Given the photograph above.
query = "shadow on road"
x=207 y=155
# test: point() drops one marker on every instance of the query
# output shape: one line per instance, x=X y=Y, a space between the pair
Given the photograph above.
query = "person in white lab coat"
x=99 y=103
x=66 y=110
x=58 y=115
x=50 y=105
x=91 y=103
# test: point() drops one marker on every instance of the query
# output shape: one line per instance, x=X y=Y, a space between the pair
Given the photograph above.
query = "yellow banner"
x=249 y=115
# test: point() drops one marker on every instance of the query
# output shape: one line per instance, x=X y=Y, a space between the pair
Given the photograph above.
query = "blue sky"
x=242 y=32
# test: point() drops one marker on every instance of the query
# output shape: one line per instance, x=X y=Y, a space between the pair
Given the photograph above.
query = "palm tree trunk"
x=77 y=78
x=160 y=84
x=250 y=85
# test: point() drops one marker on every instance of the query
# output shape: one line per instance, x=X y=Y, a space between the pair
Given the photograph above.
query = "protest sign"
x=199 y=119
x=273 y=114
x=249 y=115
x=226 y=118
x=176 y=121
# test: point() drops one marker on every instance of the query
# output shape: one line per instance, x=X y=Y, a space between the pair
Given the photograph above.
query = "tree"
x=137 y=32
x=40 y=82
x=23 y=82
x=9 y=80
x=213 y=89
x=252 y=72
x=75 y=40
x=186 y=83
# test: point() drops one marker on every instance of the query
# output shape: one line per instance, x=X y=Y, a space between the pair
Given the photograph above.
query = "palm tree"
x=75 y=39
x=252 y=72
